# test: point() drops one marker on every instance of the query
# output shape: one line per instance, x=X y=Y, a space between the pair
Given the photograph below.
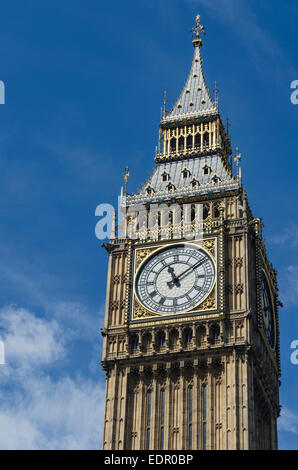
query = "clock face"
x=175 y=279
x=267 y=310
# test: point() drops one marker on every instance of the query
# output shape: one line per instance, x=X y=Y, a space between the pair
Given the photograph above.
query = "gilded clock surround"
x=209 y=374
x=208 y=303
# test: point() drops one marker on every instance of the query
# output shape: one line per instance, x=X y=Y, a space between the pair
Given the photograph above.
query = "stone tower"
x=191 y=338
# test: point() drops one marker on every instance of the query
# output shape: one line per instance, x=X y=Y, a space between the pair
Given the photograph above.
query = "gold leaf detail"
x=209 y=245
x=141 y=255
x=141 y=312
x=210 y=302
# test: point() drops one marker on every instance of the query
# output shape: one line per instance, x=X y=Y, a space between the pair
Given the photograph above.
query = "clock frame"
x=210 y=306
x=264 y=270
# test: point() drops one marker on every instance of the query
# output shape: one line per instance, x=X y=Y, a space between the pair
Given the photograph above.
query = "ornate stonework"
x=140 y=312
x=209 y=303
x=208 y=377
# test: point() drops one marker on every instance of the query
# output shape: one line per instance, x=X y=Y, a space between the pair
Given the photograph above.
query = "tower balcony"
x=178 y=154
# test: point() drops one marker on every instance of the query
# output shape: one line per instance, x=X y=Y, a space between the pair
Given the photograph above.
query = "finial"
x=237 y=159
x=163 y=109
x=126 y=175
x=257 y=226
x=196 y=30
x=216 y=90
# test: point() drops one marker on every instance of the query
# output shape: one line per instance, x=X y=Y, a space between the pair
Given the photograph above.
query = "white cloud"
x=64 y=414
x=289 y=286
x=78 y=318
x=29 y=340
x=40 y=410
x=288 y=237
x=288 y=421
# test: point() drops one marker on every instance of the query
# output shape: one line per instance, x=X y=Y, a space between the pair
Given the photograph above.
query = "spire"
x=194 y=99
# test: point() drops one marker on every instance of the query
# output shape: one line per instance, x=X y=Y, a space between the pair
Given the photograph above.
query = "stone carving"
x=209 y=246
x=141 y=312
x=210 y=302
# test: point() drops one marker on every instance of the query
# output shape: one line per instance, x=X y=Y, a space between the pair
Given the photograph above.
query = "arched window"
x=173 y=145
x=201 y=335
x=189 y=142
x=206 y=139
x=161 y=340
x=161 y=142
x=187 y=337
x=170 y=187
x=215 y=333
x=134 y=343
x=146 y=342
x=216 y=212
x=185 y=173
x=181 y=143
x=174 y=339
x=206 y=170
x=198 y=140
x=165 y=176
x=194 y=183
x=205 y=211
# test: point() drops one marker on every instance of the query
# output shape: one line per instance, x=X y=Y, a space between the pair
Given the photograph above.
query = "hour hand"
x=174 y=280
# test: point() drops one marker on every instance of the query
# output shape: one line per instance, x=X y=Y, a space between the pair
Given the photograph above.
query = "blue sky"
x=84 y=83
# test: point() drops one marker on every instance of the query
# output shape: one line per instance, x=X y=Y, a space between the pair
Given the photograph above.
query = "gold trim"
x=139 y=311
x=209 y=303
x=209 y=245
x=141 y=255
x=207 y=316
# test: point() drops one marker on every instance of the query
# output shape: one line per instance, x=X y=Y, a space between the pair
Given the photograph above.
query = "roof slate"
x=194 y=99
x=183 y=185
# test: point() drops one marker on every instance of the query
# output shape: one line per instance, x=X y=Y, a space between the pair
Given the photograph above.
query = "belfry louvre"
x=191 y=335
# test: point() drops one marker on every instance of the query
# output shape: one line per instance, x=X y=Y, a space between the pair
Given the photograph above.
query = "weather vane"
x=197 y=30
x=126 y=175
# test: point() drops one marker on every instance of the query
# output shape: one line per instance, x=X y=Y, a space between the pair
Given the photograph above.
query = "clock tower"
x=191 y=336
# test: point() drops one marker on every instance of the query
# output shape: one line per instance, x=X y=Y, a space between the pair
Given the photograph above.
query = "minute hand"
x=191 y=268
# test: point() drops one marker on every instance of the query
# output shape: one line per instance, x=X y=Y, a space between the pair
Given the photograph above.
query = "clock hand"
x=174 y=278
x=185 y=273
x=191 y=268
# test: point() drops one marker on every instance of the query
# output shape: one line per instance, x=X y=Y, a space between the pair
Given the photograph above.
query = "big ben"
x=191 y=335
